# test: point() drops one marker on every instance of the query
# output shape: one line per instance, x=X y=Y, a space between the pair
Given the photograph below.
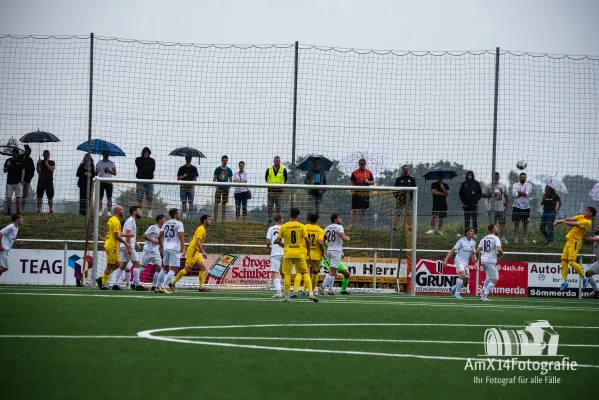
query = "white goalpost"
x=381 y=253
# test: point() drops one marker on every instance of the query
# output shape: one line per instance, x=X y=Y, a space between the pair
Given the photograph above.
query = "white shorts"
x=124 y=256
x=275 y=263
x=462 y=268
x=4 y=258
x=594 y=267
x=172 y=258
x=152 y=258
x=491 y=271
x=334 y=258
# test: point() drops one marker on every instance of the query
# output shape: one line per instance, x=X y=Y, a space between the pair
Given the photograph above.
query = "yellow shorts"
x=314 y=266
x=112 y=254
x=300 y=265
x=194 y=258
x=571 y=250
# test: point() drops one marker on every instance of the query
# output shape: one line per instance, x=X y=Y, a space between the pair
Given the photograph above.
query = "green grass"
x=115 y=368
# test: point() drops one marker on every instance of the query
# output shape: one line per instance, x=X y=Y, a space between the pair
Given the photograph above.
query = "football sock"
x=287 y=283
x=327 y=280
x=564 y=270
x=105 y=278
x=127 y=276
x=576 y=267
x=136 y=273
x=314 y=279
x=155 y=279
x=297 y=282
x=307 y=282
x=180 y=275
x=332 y=283
x=458 y=285
x=169 y=279
x=201 y=278
x=487 y=281
x=344 y=284
x=161 y=276
x=277 y=283
x=490 y=287
x=593 y=283
x=117 y=276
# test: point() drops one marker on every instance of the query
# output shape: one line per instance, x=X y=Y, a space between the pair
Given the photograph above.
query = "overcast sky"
x=544 y=26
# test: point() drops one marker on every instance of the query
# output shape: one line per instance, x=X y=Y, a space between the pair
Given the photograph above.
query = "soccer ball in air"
x=521 y=164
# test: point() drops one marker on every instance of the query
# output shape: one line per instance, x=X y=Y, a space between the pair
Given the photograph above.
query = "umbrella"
x=307 y=163
x=99 y=145
x=188 y=152
x=552 y=181
x=594 y=193
x=447 y=174
x=39 y=137
x=374 y=162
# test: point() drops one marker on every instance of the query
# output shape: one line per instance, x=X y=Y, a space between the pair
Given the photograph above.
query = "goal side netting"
x=378 y=221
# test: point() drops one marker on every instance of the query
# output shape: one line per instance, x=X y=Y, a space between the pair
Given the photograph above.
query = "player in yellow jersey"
x=316 y=239
x=581 y=224
x=196 y=255
x=296 y=249
x=111 y=246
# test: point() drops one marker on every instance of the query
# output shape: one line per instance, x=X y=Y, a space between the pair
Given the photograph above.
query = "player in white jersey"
x=276 y=254
x=334 y=236
x=594 y=268
x=490 y=246
x=464 y=249
x=172 y=245
x=151 y=254
x=8 y=238
x=129 y=254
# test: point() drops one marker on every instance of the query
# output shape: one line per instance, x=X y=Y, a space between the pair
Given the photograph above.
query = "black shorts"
x=520 y=214
x=440 y=213
x=47 y=187
x=105 y=186
x=360 y=202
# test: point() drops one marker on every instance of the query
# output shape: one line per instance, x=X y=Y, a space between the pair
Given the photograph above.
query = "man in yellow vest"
x=275 y=174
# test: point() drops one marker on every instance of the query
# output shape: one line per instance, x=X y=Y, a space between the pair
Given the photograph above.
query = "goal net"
x=377 y=219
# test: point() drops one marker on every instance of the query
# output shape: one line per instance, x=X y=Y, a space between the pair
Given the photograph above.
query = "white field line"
x=336 y=302
x=262 y=293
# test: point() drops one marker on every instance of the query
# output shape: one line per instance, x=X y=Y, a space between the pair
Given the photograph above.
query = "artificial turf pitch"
x=58 y=343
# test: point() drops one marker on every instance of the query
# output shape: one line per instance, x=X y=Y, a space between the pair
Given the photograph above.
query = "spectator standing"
x=440 y=192
x=500 y=204
x=15 y=177
x=106 y=169
x=521 y=191
x=275 y=174
x=82 y=182
x=551 y=203
x=145 y=170
x=189 y=173
x=222 y=173
x=242 y=194
x=316 y=177
x=403 y=198
x=360 y=200
x=470 y=194
x=29 y=174
x=45 y=181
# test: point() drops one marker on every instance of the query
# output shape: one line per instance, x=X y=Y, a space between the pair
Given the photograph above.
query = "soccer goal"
x=379 y=221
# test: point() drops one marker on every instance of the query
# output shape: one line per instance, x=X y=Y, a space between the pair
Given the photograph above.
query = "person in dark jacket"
x=82 y=180
x=316 y=177
x=145 y=170
x=29 y=174
x=470 y=194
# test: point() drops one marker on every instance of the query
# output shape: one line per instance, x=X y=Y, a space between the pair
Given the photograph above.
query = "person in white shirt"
x=276 y=254
x=521 y=191
x=151 y=253
x=334 y=236
x=490 y=246
x=129 y=231
x=464 y=249
x=500 y=203
x=8 y=238
x=172 y=245
x=242 y=194
x=594 y=268
x=105 y=169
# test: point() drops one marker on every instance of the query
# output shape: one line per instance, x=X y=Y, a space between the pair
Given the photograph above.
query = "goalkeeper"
x=342 y=270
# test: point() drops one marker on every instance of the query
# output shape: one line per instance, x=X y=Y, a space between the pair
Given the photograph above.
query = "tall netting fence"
x=425 y=110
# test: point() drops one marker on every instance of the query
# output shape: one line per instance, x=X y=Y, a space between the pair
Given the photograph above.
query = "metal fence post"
x=64 y=263
x=374 y=269
x=494 y=155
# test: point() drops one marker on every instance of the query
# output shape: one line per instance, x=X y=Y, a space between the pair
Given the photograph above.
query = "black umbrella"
x=446 y=172
x=39 y=137
x=187 y=152
x=307 y=163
